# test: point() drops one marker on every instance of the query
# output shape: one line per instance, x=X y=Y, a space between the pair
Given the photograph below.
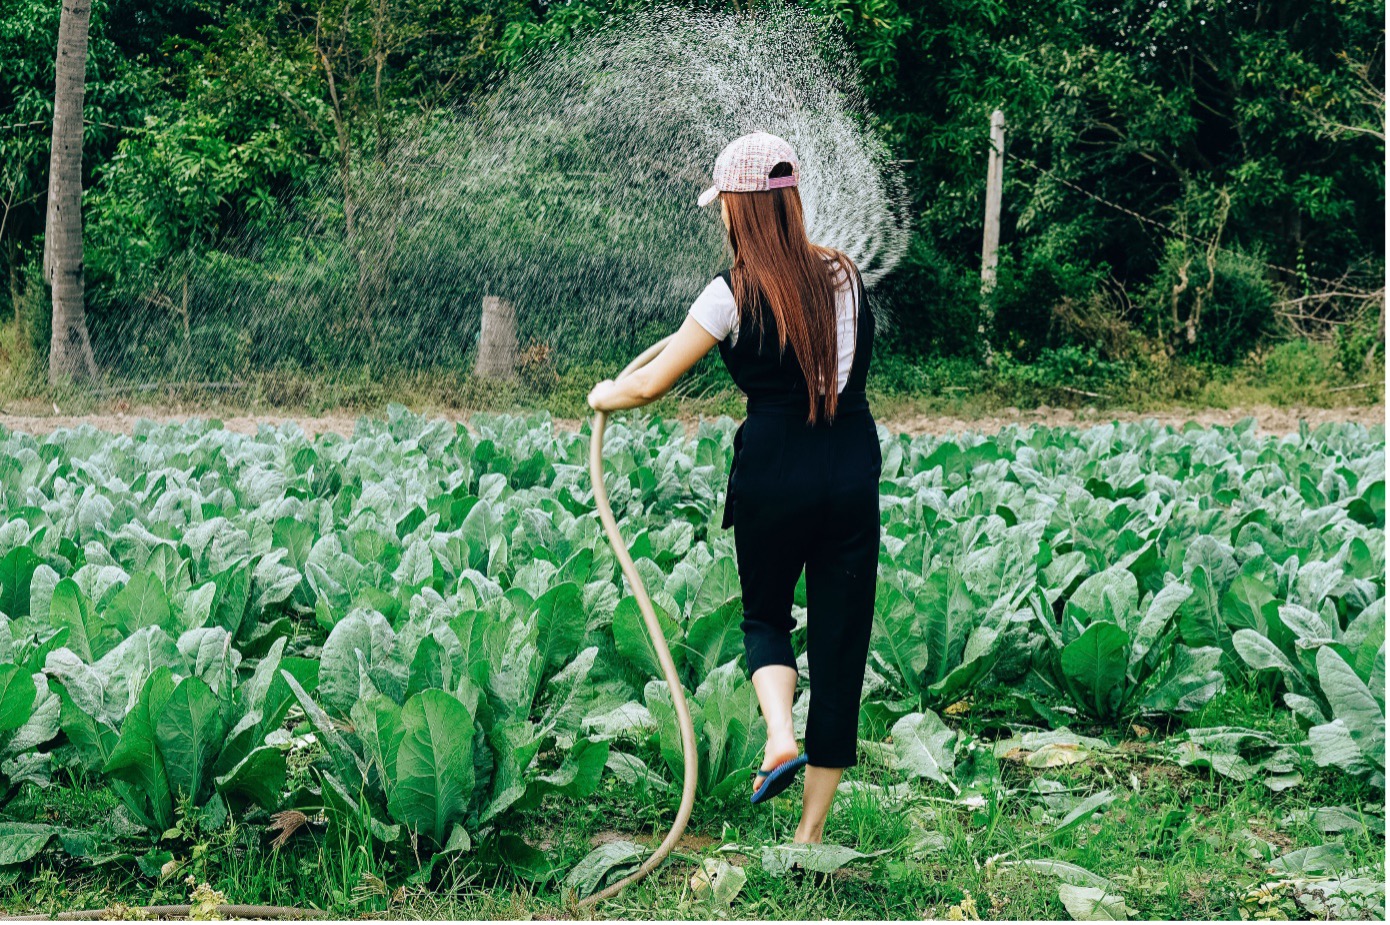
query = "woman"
x=795 y=332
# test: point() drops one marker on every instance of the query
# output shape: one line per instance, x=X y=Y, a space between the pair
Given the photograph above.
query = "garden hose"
x=663 y=653
x=668 y=670
x=174 y=912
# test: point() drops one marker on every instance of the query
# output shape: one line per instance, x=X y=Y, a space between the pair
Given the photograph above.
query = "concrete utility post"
x=497 y=340
x=989 y=258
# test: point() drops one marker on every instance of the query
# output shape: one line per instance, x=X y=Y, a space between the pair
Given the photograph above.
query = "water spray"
x=663 y=653
x=564 y=189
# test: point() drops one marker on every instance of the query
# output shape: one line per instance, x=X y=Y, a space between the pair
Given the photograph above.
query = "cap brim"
x=709 y=196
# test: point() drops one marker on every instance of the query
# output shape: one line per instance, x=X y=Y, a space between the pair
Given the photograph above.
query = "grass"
x=1174 y=842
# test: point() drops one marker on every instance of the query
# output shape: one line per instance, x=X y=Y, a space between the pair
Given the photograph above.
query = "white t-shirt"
x=717 y=312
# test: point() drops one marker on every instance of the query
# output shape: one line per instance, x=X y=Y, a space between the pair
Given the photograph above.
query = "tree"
x=70 y=353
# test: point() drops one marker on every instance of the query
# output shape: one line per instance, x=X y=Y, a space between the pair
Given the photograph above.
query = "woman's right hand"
x=602 y=395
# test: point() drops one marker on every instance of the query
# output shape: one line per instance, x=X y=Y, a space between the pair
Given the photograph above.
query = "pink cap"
x=743 y=166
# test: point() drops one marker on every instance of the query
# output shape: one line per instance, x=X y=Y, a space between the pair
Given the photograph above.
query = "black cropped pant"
x=806 y=497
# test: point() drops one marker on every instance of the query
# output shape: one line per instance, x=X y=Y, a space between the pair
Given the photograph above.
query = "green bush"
x=1296 y=364
x=1359 y=343
x=1079 y=369
x=898 y=375
x=933 y=304
x=1030 y=286
x=1234 y=309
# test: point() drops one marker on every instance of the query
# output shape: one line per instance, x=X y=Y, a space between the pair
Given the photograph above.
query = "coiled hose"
x=663 y=654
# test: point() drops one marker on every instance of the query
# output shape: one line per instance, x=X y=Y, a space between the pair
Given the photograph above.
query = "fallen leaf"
x=778 y=859
x=1058 y=754
x=1092 y=904
x=718 y=881
x=608 y=861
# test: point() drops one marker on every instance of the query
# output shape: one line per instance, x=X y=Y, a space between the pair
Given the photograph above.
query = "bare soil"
x=1268 y=419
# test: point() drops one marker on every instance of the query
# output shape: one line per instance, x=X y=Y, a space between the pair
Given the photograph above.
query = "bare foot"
x=779 y=750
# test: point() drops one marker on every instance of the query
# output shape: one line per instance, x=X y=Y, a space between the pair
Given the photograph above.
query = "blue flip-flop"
x=777 y=779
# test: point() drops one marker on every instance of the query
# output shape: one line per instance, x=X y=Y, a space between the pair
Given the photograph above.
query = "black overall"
x=806 y=496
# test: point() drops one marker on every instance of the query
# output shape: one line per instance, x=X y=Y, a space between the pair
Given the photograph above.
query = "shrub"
x=932 y=303
x=1234 y=308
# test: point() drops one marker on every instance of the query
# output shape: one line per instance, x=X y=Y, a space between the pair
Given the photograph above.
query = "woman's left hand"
x=601 y=396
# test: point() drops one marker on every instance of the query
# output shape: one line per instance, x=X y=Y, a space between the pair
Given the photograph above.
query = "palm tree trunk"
x=70 y=353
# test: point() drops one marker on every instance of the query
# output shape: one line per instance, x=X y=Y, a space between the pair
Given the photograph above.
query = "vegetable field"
x=1124 y=671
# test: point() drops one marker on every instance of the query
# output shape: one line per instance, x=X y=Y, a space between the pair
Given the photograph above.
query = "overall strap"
x=863 y=339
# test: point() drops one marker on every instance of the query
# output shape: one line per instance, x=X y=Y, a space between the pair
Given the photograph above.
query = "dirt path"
x=1268 y=419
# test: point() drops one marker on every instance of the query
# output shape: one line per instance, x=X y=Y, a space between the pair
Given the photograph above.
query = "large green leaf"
x=610 y=861
x=713 y=638
x=17 y=694
x=1111 y=596
x=481 y=534
x=260 y=777
x=137 y=760
x=663 y=712
x=560 y=627
x=1260 y=653
x=1354 y=705
x=232 y=596
x=979 y=656
x=1369 y=509
x=897 y=643
x=578 y=775
x=719 y=587
x=142 y=602
x=93 y=738
x=946 y=614
x=923 y=746
x=340 y=671
x=377 y=722
x=1189 y=680
x=21 y=841
x=1151 y=627
x=1094 y=667
x=1249 y=604
x=351 y=769
x=16 y=572
x=731 y=726
x=89 y=635
x=189 y=731
x=1199 y=619
x=515 y=744
x=634 y=642
x=566 y=695
x=434 y=765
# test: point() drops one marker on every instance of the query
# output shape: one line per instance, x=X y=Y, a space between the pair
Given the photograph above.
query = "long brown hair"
x=774 y=259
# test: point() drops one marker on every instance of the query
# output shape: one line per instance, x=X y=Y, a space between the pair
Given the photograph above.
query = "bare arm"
x=655 y=379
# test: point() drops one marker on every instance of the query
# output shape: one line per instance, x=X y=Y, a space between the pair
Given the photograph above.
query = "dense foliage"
x=420 y=632
x=1253 y=125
